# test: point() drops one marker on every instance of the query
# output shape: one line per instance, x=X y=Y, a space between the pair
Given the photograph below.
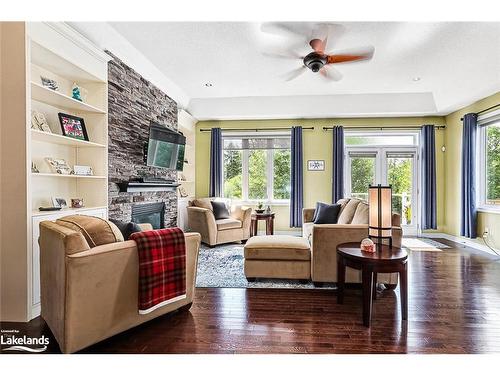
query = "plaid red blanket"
x=162 y=267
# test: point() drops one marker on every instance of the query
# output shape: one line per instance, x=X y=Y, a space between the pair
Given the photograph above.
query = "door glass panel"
x=362 y=175
x=400 y=177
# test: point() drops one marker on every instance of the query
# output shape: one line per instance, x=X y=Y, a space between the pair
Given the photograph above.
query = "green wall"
x=317 y=145
x=453 y=139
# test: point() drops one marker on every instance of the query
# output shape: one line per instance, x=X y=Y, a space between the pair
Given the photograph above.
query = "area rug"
x=423 y=244
x=222 y=267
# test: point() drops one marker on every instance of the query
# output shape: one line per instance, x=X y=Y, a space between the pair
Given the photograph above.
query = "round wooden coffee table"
x=267 y=217
x=385 y=260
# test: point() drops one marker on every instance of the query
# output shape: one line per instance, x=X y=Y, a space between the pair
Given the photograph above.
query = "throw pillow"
x=220 y=210
x=126 y=228
x=318 y=205
x=203 y=203
x=327 y=214
x=96 y=231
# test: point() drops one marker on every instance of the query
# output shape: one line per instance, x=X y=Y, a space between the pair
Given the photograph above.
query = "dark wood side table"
x=384 y=260
x=267 y=217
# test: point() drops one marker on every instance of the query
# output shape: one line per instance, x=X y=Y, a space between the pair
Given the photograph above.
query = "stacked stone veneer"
x=132 y=103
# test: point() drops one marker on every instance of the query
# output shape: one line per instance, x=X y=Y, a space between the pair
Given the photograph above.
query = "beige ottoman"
x=278 y=257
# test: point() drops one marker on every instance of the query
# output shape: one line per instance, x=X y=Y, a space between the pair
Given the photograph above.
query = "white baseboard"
x=460 y=240
x=35 y=310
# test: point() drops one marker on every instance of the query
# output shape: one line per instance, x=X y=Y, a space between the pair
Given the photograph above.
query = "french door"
x=395 y=166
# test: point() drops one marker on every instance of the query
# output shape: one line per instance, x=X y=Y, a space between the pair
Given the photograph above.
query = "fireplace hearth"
x=153 y=213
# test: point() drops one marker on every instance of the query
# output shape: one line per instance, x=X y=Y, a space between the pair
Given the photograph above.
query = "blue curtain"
x=215 y=189
x=296 y=191
x=428 y=151
x=468 y=227
x=338 y=164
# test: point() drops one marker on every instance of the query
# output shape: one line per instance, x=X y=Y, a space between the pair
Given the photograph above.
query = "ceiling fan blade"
x=325 y=32
x=291 y=55
x=347 y=56
x=295 y=73
x=318 y=45
x=330 y=73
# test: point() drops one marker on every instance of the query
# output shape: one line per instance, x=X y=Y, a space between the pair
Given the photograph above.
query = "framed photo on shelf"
x=73 y=126
x=39 y=122
x=59 y=166
x=59 y=202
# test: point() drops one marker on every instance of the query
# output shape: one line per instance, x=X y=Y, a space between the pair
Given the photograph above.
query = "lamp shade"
x=380 y=211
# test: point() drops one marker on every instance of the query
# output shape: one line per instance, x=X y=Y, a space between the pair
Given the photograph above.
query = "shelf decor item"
x=49 y=83
x=73 y=126
x=83 y=170
x=77 y=203
x=59 y=202
x=39 y=122
x=59 y=166
x=380 y=213
x=34 y=168
x=76 y=92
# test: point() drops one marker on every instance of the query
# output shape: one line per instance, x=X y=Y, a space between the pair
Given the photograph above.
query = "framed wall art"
x=315 y=165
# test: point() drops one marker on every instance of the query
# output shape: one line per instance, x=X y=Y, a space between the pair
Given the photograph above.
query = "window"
x=489 y=160
x=257 y=168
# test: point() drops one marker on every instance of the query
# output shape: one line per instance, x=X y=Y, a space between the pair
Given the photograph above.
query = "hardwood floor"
x=454 y=307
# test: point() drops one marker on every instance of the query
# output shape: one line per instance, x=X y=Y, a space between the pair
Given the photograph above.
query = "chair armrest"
x=307 y=215
x=243 y=214
x=202 y=220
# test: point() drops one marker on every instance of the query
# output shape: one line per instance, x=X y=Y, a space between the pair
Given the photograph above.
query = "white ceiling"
x=458 y=63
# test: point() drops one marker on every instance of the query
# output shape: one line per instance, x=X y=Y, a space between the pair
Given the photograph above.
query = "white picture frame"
x=83 y=170
x=315 y=165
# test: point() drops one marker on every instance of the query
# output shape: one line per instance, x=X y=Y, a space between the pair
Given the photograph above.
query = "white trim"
x=489 y=209
x=164 y=303
x=460 y=240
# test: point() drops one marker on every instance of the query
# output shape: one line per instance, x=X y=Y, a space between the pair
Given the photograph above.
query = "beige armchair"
x=213 y=232
x=353 y=227
x=89 y=294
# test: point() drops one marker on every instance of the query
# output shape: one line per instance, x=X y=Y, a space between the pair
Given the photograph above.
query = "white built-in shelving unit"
x=58 y=52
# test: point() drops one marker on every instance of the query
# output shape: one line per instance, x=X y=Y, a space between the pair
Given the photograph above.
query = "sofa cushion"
x=277 y=247
x=327 y=213
x=203 y=203
x=127 y=228
x=223 y=224
x=220 y=210
x=96 y=231
x=347 y=213
x=361 y=214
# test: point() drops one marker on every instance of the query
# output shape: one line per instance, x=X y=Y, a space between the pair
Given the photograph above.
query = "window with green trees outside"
x=257 y=168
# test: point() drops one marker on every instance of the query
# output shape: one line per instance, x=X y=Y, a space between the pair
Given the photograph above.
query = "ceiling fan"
x=318 y=61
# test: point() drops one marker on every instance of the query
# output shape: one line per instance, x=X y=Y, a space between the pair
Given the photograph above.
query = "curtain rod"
x=384 y=127
x=484 y=110
x=256 y=130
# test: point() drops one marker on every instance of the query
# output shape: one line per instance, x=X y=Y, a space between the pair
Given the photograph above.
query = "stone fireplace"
x=133 y=102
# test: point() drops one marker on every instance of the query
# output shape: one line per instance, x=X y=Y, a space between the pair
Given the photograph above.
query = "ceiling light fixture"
x=416 y=79
x=208 y=84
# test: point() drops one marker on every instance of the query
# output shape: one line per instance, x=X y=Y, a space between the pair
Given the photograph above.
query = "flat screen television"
x=165 y=148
